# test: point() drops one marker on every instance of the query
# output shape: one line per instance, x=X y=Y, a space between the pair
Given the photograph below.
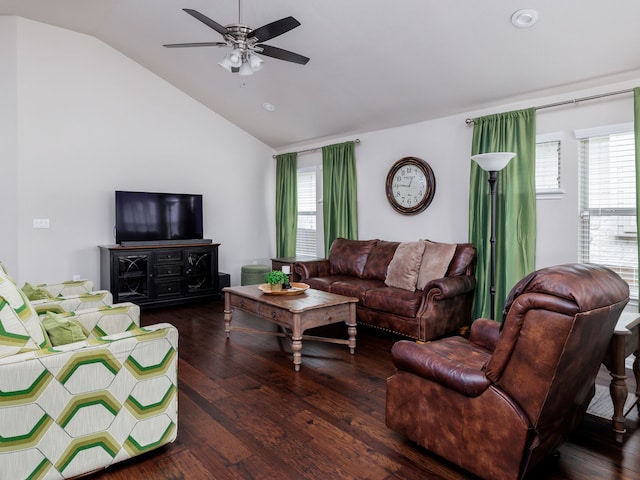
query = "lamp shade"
x=494 y=161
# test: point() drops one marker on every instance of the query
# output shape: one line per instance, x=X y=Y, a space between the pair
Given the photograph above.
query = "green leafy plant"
x=275 y=277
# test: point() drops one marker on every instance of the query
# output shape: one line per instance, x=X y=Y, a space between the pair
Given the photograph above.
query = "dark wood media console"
x=156 y=275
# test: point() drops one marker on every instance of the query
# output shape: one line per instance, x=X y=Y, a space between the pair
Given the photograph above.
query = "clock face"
x=410 y=185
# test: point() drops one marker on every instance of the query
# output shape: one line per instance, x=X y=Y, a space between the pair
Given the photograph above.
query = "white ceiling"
x=374 y=63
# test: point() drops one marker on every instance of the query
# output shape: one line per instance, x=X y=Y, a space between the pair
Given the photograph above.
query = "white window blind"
x=608 y=234
x=306 y=233
x=548 y=166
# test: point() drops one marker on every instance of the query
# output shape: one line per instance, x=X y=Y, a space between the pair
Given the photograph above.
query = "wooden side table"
x=278 y=263
x=624 y=342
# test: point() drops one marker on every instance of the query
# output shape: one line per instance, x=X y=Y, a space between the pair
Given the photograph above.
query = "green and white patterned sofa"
x=71 y=409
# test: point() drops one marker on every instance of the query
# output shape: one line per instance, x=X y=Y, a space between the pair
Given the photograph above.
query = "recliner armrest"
x=485 y=332
x=441 y=363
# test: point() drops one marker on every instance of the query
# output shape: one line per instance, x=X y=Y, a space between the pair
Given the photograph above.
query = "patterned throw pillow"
x=23 y=309
x=61 y=329
x=14 y=337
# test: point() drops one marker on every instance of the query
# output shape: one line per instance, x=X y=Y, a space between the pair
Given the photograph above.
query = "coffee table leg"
x=296 y=346
x=296 y=341
x=351 y=328
x=227 y=315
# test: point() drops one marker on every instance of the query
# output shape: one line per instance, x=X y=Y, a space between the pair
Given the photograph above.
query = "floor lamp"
x=493 y=163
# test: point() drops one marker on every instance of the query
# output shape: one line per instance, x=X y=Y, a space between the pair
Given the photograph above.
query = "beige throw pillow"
x=405 y=265
x=435 y=262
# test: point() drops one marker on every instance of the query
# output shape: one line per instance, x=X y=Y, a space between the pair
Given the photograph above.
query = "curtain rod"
x=356 y=141
x=469 y=121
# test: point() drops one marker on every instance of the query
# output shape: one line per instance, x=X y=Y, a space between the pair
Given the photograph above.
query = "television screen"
x=148 y=217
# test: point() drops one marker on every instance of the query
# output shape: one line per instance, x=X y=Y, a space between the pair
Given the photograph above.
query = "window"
x=548 y=165
x=608 y=233
x=307 y=231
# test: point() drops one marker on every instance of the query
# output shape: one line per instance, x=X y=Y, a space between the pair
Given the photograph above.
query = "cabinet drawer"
x=168 y=289
x=272 y=314
x=245 y=304
x=168 y=256
x=169 y=270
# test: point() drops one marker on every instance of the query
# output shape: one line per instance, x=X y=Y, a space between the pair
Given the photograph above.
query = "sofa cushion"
x=435 y=262
x=405 y=265
x=379 y=260
x=349 y=257
x=324 y=283
x=397 y=300
x=355 y=287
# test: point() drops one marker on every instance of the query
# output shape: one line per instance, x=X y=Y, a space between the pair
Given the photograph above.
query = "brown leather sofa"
x=358 y=268
x=500 y=402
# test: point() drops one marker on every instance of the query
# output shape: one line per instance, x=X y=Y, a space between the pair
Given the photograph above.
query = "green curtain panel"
x=636 y=131
x=286 y=204
x=515 y=206
x=339 y=193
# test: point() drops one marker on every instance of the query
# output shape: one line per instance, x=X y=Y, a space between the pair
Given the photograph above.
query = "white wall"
x=91 y=121
x=8 y=144
x=445 y=144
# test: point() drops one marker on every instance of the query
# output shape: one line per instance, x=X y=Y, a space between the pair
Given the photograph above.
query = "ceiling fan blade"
x=273 y=29
x=207 y=21
x=282 y=54
x=197 y=44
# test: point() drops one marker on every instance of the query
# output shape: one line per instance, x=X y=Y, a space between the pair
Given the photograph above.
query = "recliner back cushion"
x=379 y=260
x=349 y=257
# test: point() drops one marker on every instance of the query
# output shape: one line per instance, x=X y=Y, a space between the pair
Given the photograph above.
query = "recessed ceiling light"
x=269 y=107
x=524 y=18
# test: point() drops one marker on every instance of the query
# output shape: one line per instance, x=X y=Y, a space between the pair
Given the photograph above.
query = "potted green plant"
x=276 y=279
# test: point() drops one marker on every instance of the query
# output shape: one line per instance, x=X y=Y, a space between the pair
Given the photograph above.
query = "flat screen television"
x=147 y=217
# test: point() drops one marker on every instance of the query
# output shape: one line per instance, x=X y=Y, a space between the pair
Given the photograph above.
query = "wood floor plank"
x=244 y=413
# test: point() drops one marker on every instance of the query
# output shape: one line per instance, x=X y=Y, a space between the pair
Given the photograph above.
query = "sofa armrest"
x=446 y=306
x=71 y=287
x=107 y=320
x=485 y=332
x=72 y=303
x=450 y=287
x=312 y=268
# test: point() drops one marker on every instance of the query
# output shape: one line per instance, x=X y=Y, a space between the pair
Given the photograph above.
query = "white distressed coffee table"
x=296 y=313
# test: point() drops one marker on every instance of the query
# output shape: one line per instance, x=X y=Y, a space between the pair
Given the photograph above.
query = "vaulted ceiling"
x=374 y=63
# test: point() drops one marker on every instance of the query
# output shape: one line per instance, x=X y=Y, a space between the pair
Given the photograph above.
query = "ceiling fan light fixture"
x=234 y=57
x=255 y=62
x=245 y=69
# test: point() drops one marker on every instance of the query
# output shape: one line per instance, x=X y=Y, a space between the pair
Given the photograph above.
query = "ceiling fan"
x=246 y=43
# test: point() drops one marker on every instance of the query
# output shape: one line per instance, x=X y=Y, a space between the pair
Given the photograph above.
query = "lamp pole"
x=493 y=163
x=493 y=178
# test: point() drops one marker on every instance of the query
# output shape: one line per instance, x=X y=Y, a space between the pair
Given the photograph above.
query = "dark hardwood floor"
x=245 y=414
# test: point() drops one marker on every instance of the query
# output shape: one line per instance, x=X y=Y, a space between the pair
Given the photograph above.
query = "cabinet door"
x=132 y=276
x=201 y=267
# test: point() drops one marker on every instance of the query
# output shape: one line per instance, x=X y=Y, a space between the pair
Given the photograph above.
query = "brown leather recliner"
x=500 y=402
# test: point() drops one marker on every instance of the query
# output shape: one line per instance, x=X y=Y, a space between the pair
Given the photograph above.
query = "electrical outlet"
x=40 y=223
x=76 y=277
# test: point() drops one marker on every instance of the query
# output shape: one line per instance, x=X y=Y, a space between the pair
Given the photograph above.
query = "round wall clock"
x=410 y=185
